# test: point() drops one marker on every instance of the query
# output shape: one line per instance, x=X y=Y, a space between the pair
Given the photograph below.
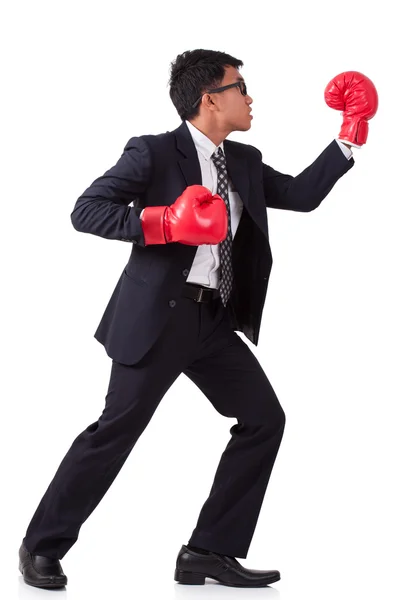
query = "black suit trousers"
x=198 y=341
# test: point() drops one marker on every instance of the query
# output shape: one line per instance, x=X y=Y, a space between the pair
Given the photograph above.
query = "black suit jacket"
x=155 y=170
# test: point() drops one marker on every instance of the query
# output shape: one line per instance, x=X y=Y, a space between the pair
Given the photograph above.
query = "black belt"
x=199 y=293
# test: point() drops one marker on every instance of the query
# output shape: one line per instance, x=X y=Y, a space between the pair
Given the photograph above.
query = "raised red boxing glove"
x=196 y=217
x=354 y=94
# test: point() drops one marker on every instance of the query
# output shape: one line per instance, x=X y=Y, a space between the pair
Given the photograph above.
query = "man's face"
x=234 y=108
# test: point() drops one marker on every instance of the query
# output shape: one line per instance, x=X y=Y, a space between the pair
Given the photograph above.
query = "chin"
x=243 y=127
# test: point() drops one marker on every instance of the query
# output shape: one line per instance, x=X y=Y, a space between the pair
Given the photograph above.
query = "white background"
x=80 y=79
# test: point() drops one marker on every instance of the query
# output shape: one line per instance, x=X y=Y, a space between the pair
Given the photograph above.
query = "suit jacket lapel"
x=190 y=166
x=238 y=171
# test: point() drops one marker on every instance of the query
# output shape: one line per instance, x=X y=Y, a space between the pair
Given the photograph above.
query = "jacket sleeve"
x=306 y=191
x=103 y=207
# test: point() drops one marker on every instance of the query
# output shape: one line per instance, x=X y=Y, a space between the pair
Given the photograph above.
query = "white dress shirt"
x=206 y=263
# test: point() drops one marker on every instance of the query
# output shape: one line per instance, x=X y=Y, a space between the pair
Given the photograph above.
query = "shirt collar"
x=203 y=143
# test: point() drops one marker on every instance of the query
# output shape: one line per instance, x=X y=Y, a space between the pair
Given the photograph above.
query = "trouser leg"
x=231 y=377
x=98 y=453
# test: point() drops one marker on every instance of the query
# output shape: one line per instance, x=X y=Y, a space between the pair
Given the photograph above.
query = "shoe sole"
x=40 y=585
x=189 y=578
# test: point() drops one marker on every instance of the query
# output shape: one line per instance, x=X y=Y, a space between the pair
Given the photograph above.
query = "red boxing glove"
x=196 y=217
x=354 y=94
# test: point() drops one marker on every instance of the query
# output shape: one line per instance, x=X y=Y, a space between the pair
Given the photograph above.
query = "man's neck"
x=210 y=131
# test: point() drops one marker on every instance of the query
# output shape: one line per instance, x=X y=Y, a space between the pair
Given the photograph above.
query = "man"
x=198 y=271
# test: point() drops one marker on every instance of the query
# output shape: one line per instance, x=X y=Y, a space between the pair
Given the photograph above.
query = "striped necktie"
x=226 y=280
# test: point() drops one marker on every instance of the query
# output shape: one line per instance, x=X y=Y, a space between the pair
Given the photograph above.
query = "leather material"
x=153 y=225
x=355 y=95
x=199 y=293
x=193 y=567
x=41 y=571
x=196 y=217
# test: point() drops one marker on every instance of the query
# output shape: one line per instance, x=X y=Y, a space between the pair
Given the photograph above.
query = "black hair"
x=192 y=73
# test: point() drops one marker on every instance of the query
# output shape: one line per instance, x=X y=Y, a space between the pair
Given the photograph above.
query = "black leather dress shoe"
x=41 y=571
x=193 y=567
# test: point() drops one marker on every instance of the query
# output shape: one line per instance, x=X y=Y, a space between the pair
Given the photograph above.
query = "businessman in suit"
x=198 y=272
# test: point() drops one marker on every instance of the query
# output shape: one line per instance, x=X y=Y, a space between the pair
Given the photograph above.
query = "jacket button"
x=185 y=272
x=172 y=302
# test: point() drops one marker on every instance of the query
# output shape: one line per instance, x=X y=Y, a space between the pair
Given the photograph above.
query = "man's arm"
x=346 y=148
x=306 y=191
x=103 y=207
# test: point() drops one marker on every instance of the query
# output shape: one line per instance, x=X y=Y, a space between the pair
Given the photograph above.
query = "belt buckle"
x=200 y=296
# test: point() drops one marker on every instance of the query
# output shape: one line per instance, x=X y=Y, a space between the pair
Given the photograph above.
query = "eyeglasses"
x=239 y=84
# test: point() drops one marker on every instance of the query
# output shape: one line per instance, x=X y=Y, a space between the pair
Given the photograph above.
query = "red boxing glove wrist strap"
x=153 y=225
